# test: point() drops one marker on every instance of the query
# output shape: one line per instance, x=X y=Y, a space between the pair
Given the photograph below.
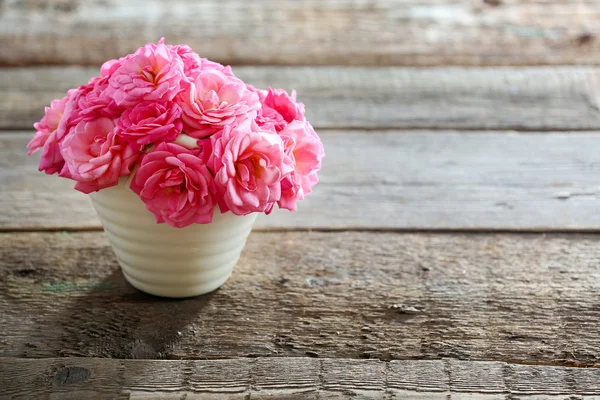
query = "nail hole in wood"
x=585 y=38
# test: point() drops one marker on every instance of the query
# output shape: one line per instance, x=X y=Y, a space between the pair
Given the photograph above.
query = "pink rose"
x=47 y=124
x=213 y=101
x=110 y=66
x=93 y=101
x=154 y=73
x=150 y=122
x=302 y=144
x=191 y=60
x=94 y=157
x=262 y=94
x=206 y=64
x=51 y=160
x=176 y=186
x=87 y=103
x=248 y=167
x=50 y=134
x=193 y=64
x=278 y=109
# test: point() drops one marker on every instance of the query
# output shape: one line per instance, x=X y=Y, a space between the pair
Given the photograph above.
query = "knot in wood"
x=71 y=375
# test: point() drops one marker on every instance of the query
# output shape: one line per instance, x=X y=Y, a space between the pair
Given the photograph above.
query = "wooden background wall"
x=419 y=75
x=311 y=32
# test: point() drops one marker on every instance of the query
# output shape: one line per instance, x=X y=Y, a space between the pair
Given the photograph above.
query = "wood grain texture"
x=286 y=378
x=341 y=32
x=498 y=297
x=381 y=180
x=542 y=98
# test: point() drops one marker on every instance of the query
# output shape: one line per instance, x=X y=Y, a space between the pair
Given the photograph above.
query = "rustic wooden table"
x=450 y=250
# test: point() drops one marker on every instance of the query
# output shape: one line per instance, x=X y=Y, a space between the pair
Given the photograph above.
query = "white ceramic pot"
x=166 y=261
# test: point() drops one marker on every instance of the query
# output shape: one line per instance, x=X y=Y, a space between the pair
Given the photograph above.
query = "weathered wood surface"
x=291 y=378
x=381 y=180
x=317 y=314
x=376 y=32
x=499 y=297
x=542 y=98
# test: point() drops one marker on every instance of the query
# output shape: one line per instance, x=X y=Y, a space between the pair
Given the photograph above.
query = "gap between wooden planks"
x=519 y=298
x=380 y=180
x=376 y=32
x=291 y=378
x=532 y=98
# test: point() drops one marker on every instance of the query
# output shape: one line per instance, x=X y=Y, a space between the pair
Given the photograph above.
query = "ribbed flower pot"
x=166 y=261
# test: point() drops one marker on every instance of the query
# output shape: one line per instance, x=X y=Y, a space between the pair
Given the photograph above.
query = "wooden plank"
x=376 y=32
x=241 y=378
x=525 y=298
x=381 y=180
x=533 y=98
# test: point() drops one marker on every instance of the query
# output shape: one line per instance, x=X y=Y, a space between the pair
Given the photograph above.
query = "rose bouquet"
x=184 y=134
x=193 y=134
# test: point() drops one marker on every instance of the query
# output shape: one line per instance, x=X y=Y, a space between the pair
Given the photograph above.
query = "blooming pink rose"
x=150 y=122
x=86 y=103
x=154 y=73
x=191 y=60
x=94 y=156
x=51 y=160
x=213 y=101
x=248 y=167
x=50 y=133
x=302 y=144
x=93 y=101
x=47 y=124
x=278 y=109
x=176 y=186
x=193 y=63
